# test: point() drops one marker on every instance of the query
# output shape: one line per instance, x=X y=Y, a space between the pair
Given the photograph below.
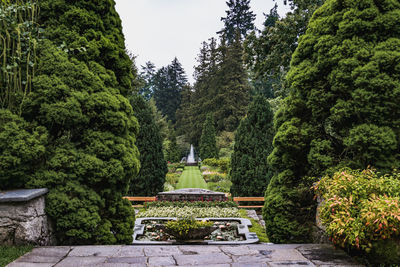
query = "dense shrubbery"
x=198 y=204
x=361 y=210
x=208 y=145
x=342 y=109
x=222 y=164
x=250 y=173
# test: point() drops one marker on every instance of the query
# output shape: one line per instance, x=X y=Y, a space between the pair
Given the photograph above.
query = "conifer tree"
x=250 y=172
x=342 y=110
x=208 y=146
x=153 y=167
x=239 y=19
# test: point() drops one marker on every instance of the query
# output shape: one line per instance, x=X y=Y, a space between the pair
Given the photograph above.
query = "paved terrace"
x=211 y=256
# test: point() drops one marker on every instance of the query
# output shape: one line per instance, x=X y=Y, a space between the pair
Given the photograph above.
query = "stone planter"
x=23 y=219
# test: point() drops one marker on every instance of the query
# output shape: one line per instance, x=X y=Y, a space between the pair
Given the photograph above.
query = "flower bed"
x=198 y=212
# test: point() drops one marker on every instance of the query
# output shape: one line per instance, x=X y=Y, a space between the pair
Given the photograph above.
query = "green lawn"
x=11 y=253
x=191 y=178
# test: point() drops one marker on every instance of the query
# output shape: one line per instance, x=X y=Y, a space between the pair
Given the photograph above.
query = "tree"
x=268 y=55
x=239 y=18
x=233 y=88
x=153 y=167
x=208 y=146
x=250 y=172
x=184 y=114
x=168 y=84
x=146 y=76
x=342 y=109
x=172 y=152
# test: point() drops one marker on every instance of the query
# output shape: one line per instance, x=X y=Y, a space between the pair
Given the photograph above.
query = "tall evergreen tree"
x=168 y=84
x=208 y=146
x=239 y=18
x=250 y=172
x=184 y=115
x=233 y=88
x=153 y=167
x=342 y=110
x=146 y=77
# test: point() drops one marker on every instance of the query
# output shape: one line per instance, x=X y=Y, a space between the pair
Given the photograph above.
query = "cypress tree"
x=342 y=110
x=250 y=172
x=208 y=146
x=153 y=166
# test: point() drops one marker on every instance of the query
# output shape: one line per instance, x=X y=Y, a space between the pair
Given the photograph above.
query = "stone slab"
x=38 y=259
x=21 y=195
x=81 y=261
x=51 y=251
x=128 y=260
x=211 y=258
x=193 y=250
x=130 y=251
x=239 y=250
x=291 y=264
x=29 y=264
x=249 y=264
x=161 y=261
x=96 y=251
x=161 y=251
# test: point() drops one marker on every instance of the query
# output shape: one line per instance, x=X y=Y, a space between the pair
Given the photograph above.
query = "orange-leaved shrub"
x=361 y=209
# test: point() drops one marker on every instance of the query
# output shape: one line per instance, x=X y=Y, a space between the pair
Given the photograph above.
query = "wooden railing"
x=140 y=199
x=244 y=199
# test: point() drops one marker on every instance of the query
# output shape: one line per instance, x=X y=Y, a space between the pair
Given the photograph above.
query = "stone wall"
x=23 y=219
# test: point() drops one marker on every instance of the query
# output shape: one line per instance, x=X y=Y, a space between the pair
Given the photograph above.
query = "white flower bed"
x=214 y=212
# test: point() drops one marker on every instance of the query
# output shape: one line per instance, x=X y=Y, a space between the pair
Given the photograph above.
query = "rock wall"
x=25 y=223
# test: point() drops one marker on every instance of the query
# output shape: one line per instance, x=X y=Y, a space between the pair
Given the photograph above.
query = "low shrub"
x=172 y=178
x=223 y=164
x=197 y=204
x=214 y=177
x=182 y=228
x=361 y=211
x=168 y=187
x=196 y=212
x=221 y=186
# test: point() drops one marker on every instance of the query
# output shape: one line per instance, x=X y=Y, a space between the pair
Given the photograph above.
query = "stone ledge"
x=21 y=195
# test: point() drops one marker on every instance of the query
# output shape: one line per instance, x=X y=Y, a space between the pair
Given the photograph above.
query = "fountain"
x=190 y=158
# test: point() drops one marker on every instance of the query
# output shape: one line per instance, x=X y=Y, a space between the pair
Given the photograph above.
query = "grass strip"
x=10 y=253
x=191 y=178
x=256 y=227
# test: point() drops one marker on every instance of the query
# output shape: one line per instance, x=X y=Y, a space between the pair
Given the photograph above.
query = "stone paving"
x=186 y=255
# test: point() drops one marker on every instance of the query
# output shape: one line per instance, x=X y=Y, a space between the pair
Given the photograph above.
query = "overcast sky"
x=159 y=30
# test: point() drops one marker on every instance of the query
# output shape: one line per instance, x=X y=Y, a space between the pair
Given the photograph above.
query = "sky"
x=159 y=30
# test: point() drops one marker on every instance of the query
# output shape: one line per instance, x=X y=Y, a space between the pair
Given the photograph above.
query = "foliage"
x=360 y=208
x=268 y=53
x=220 y=186
x=169 y=82
x=19 y=36
x=196 y=212
x=146 y=78
x=223 y=164
x=11 y=253
x=182 y=228
x=342 y=109
x=198 y=204
x=255 y=227
x=239 y=20
x=172 y=179
x=213 y=176
x=22 y=147
x=250 y=172
x=208 y=147
x=153 y=167
x=171 y=149
x=90 y=31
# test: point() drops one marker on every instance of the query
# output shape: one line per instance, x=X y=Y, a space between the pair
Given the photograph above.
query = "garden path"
x=186 y=255
x=191 y=178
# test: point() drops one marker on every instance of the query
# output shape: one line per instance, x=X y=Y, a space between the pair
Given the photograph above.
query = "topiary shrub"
x=361 y=211
x=342 y=109
x=90 y=154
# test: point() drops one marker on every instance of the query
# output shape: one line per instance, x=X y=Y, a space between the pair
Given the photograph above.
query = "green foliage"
x=181 y=228
x=208 y=147
x=239 y=19
x=87 y=169
x=220 y=186
x=19 y=37
x=198 y=204
x=255 y=227
x=153 y=166
x=222 y=164
x=90 y=31
x=10 y=253
x=342 y=109
x=186 y=211
x=171 y=149
x=22 y=148
x=250 y=171
x=360 y=210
